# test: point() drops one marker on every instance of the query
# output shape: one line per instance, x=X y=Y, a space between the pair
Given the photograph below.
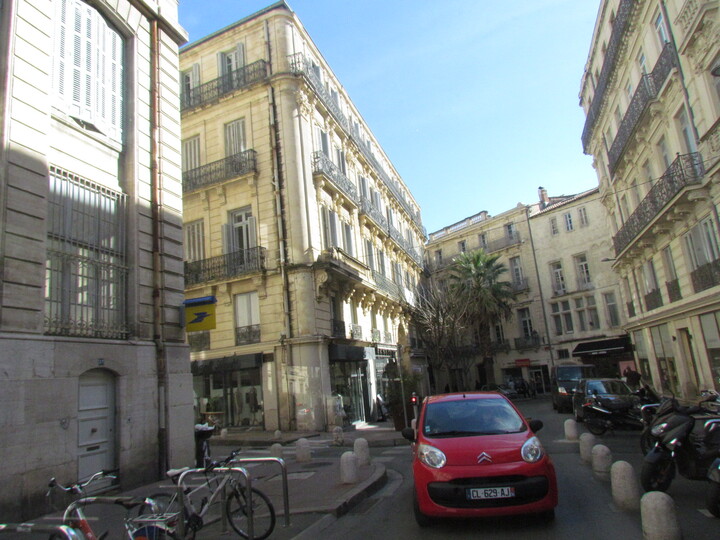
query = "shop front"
x=349 y=383
x=228 y=391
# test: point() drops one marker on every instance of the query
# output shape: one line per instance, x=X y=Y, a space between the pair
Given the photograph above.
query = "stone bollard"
x=659 y=517
x=223 y=433
x=302 y=454
x=338 y=437
x=362 y=451
x=348 y=468
x=587 y=441
x=276 y=450
x=601 y=462
x=571 y=431
x=278 y=435
x=624 y=485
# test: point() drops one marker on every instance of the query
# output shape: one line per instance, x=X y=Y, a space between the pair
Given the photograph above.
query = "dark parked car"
x=500 y=389
x=613 y=393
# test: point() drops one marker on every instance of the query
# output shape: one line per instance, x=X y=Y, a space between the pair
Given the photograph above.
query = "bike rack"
x=248 y=499
x=283 y=467
x=36 y=528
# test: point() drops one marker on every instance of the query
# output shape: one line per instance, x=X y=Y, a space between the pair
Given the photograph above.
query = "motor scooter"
x=687 y=439
x=602 y=414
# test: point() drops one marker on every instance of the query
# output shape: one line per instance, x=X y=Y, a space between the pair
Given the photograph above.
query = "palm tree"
x=477 y=276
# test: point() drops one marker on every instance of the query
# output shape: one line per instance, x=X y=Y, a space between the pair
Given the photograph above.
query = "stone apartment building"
x=94 y=371
x=565 y=308
x=302 y=241
x=651 y=94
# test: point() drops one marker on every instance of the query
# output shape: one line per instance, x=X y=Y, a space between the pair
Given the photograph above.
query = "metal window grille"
x=86 y=272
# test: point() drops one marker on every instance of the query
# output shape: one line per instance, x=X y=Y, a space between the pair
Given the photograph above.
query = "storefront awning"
x=346 y=353
x=603 y=347
x=227 y=363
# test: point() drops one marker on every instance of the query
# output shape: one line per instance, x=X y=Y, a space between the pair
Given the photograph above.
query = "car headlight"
x=657 y=430
x=431 y=456
x=532 y=450
x=561 y=390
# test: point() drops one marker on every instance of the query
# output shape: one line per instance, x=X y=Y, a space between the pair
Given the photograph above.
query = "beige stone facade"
x=651 y=93
x=94 y=371
x=299 y=233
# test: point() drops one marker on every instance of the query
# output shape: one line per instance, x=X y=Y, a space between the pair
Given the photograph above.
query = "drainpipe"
x=158 y=284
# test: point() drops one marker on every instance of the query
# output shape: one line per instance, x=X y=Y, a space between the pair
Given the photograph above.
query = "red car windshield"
x=468 y=417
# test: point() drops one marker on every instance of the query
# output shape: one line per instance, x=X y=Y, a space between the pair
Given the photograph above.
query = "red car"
x=475 y=455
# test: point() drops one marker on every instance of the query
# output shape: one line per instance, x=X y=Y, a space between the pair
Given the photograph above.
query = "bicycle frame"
x=68 y=533
x=75 y=517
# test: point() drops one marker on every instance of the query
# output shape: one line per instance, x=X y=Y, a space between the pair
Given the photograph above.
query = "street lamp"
x=607 y=259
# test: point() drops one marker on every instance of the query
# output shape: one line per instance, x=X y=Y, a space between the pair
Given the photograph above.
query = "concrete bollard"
x=302 y=454
x=278 y=435
x=601 y=462
x=587 y=441
x=625 y=487
x=571 y=431
x=338 y=437
x=223 y=433
x=362 y=451
x=276 y=450
x=659 y=517
x=348 y=468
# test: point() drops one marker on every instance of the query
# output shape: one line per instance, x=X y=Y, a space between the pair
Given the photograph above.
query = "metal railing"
x=673 y=289
x=370 y=210
x=706 y=276
x=502 y=243
x=322 y=164
x=617 y=41
x=647 y=90
x=630 y=308
x=386 y=285
x=686 y=170
x=199 y=341
x=212 y=91
x=653 y=300
x=498 y=346
x=519 y=285
x=245 y=335
x=220 y=170
x=226 y=266
x=528 y=342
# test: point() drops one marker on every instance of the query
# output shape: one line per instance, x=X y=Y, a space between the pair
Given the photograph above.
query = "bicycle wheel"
x=262 y=511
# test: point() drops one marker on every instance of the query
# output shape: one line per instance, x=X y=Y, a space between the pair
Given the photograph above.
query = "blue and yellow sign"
x=200 y=314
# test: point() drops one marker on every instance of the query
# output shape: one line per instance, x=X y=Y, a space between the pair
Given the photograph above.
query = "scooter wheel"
x=712 y=500
x=596 y=428
x=657 y=476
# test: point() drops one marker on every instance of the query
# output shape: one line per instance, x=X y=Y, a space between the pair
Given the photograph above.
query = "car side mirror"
x=535 y=425
x=409 y=434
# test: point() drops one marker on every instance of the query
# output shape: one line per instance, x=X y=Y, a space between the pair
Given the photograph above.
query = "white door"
x=96 y=425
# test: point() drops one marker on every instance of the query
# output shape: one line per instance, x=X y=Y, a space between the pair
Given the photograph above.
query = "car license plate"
x=490 y=493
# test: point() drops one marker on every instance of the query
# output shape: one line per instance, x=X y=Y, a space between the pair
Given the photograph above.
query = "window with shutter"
x=194 y=241
x=191 y=154
x=235 y=137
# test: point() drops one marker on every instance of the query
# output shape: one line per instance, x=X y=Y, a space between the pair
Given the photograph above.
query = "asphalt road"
x=585 y=509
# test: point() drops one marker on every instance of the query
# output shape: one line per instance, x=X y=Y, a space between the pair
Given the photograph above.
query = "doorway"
x=96 y=426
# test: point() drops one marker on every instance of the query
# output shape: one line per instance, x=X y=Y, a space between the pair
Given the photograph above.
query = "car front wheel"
x=421 y=519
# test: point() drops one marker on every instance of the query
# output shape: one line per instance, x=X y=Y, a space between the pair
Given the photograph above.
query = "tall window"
x=669 y=264
x=611 y=309
x=235 y=137
x=482 y=240
x=642 y=63
x=231 y=61
x=583 y=217
x=516 y=270
x=86 y=268
x=568 y=222
x=526 y=326
x=642 y=354
x=553 y=226
x=88 y=68
x=191 y=153
x=370 y=254
x=511 y=231
x=240 y=231
x=462 y=246
x=348 y=239
x=247 y=318
x=583 y=271
x=438 y=256
x=194 y=240
x=662 y=344
x=562 y=317
x=558 y=278
x=688 y=137
x=330 y=227
x=702 y=244
x=587 y=314
x=661 y=29
x=189 y=80
x=322 y=141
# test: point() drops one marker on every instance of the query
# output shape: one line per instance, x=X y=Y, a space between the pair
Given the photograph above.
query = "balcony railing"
x=647 y=90
x=620 y=26
x=500 y=346
x=219 y=171
x=630 y=308
x=584 y=285
x=684 y=171
x=199 y=341
x=244 y=335
x=356 y=331
x=227 y=266
x=215 y=89
x=653 y=300
x=706 y=276
x=519 y=285
x=528 y=342
x=502 y=243
x=386 y=285
x=673 y=289
x=338 y=328
x=322 y=164
x=302 y=66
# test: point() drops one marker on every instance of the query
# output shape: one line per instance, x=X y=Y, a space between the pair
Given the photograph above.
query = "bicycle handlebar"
x=78 y=487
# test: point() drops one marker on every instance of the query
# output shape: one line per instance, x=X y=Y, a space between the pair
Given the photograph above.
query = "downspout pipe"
x=157 y=274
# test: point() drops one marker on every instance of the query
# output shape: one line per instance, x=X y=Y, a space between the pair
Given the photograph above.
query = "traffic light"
x=414 y=399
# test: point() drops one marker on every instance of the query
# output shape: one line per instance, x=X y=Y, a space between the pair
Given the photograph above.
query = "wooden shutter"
x=235 y=137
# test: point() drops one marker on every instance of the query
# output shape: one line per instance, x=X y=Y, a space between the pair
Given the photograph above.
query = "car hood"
x=616 y=402
x=464 y=451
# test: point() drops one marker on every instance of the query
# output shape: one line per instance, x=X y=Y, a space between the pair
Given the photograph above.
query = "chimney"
x=544 y=199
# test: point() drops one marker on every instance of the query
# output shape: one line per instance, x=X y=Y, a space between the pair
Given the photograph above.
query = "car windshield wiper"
x=456 y=432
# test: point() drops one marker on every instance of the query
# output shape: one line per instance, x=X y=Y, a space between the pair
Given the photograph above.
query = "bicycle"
x=74 y=516
x=199 y=498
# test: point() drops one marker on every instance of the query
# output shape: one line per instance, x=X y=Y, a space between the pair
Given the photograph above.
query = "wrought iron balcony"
x=369 y=209
x=199 y=341
x=585 y=285
x=300 y=65
x=323 y=165
x=502 y=243
x=500 y=346
x=386 y=285
x=226 y=266
x=527 y=342
x=356 y=331
x=220 y=171
x=244 y=335
x=338 y=328
x=653 y=300
x=686 y=170
x=673 y=289
x=519 y=285
x=706 y=276
x=630 y=308
x=212 y=91
x=646 y=91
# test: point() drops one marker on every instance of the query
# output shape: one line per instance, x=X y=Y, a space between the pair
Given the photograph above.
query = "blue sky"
x=474 y=101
